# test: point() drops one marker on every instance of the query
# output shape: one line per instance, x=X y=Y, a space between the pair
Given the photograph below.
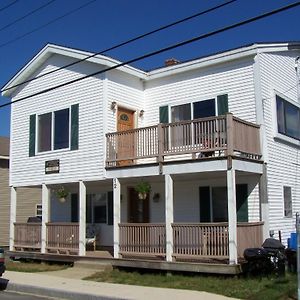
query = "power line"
x=46 y=24
x=125 y=43
x=203 y=36
x=8 y=5
x=26 y=15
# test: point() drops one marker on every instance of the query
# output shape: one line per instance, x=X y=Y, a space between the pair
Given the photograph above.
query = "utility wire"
x=203 y=36
x=8 y=5
x=46 y=24
x=125 y=43
x=27 y=15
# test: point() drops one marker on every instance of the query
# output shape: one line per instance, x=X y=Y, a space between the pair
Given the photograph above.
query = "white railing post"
x=13 y=217
x=117 y=215
x=232 y=217
x=45 y=216
x=82 y=218
x=169 y=216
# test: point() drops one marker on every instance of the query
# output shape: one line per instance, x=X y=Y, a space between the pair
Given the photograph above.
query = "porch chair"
x=91 y=237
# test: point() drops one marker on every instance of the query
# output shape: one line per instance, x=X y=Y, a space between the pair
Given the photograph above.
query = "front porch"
x=201 y=242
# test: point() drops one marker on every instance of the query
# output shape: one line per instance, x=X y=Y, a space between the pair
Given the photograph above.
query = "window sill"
x=286 y=140
x=53 y=152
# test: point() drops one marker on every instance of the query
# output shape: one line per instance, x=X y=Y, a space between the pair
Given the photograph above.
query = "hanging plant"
x=62 y=194
x=143 y=188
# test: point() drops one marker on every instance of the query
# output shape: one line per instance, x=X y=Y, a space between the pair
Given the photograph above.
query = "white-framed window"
x=287 y=201
x=39 y=210
x=53 y=130
x=288 y=118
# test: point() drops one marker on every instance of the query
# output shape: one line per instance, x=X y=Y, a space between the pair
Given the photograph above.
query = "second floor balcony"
x=205 y=138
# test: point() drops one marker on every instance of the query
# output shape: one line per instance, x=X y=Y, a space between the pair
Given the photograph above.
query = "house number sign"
x=52 y=166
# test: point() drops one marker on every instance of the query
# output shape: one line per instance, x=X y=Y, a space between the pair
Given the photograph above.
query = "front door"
x=126 y=144
x=138 y=210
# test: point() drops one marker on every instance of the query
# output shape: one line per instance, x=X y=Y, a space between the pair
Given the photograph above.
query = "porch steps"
x=97 y=266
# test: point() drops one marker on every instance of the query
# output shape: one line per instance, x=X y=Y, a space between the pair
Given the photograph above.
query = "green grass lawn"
x=238 y=287
x=32 y=267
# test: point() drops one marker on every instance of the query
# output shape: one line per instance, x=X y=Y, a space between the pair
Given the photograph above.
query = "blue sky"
x=106 y=23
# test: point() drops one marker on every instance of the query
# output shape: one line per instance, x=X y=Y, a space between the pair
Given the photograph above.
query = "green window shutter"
x=222 y=104
x=204 y=204
x=163 y=114
x=242 y=202
x=110 y=208
x=74 y=208
x=74 y=126
x=32 y=131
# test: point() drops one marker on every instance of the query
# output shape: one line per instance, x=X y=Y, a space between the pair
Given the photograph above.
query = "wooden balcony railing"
x=62 y=237
x=214 y=136
x=142 y=239
x=27 y=235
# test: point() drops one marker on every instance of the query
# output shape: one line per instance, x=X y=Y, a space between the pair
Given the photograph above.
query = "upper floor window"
x=54 y=130
x=288 y=118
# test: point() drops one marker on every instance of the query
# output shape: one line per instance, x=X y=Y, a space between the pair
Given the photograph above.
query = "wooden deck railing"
x=27 y=235
x=62 y=237
x=200 y=240
x=142 y=238
x=249 y=235
x=213 y=136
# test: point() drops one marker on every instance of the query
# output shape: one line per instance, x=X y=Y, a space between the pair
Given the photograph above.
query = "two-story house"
x=216 y=139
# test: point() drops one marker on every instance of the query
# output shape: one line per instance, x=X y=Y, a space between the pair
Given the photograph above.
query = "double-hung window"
x=54 y=130
x=288 y=118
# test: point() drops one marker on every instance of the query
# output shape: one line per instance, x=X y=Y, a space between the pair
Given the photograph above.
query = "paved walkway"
x=61 y=284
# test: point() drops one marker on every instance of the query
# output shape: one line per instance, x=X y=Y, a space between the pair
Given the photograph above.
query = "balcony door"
x=126 y=145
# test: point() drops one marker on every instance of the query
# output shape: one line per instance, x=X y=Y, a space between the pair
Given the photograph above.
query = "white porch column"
x=45 y=215
x=82 y=218
x=232 y=217
x=264 y=202
x=169 y=216
x=13 y=217
x=117 y=216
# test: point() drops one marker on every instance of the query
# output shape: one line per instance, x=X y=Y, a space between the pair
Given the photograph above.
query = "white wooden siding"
x=83 y=164
x=235 y=79
x=278 y=75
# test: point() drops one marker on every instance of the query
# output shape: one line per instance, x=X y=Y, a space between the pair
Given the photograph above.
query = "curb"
x=55 y=293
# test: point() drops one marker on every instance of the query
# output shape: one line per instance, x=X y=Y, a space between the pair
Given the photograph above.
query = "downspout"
x=263 y=182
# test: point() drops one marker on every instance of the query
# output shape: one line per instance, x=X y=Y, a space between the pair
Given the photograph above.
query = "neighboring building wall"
x=83 y=164
x=27 y=199
x=26 y=203
x=5 y=203
x=278 y=75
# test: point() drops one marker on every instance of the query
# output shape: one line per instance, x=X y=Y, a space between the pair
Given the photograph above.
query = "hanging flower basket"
x=143 y=188
x=62 y=194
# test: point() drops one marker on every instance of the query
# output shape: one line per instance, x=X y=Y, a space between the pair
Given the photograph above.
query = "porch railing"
x=213 y=136
x=27 y=235
x=249 y=235
x=142 y=238
x=201 y=239
x=62 y=237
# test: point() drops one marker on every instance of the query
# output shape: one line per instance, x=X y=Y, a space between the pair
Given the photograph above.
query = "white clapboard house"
x=213 y=141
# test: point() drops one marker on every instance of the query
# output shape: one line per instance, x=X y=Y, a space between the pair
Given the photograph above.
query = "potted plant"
x=62 y=194
x=143 y=188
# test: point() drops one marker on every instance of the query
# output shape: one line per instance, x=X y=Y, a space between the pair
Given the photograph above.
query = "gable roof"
x=4 y=147
x=204 y=61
